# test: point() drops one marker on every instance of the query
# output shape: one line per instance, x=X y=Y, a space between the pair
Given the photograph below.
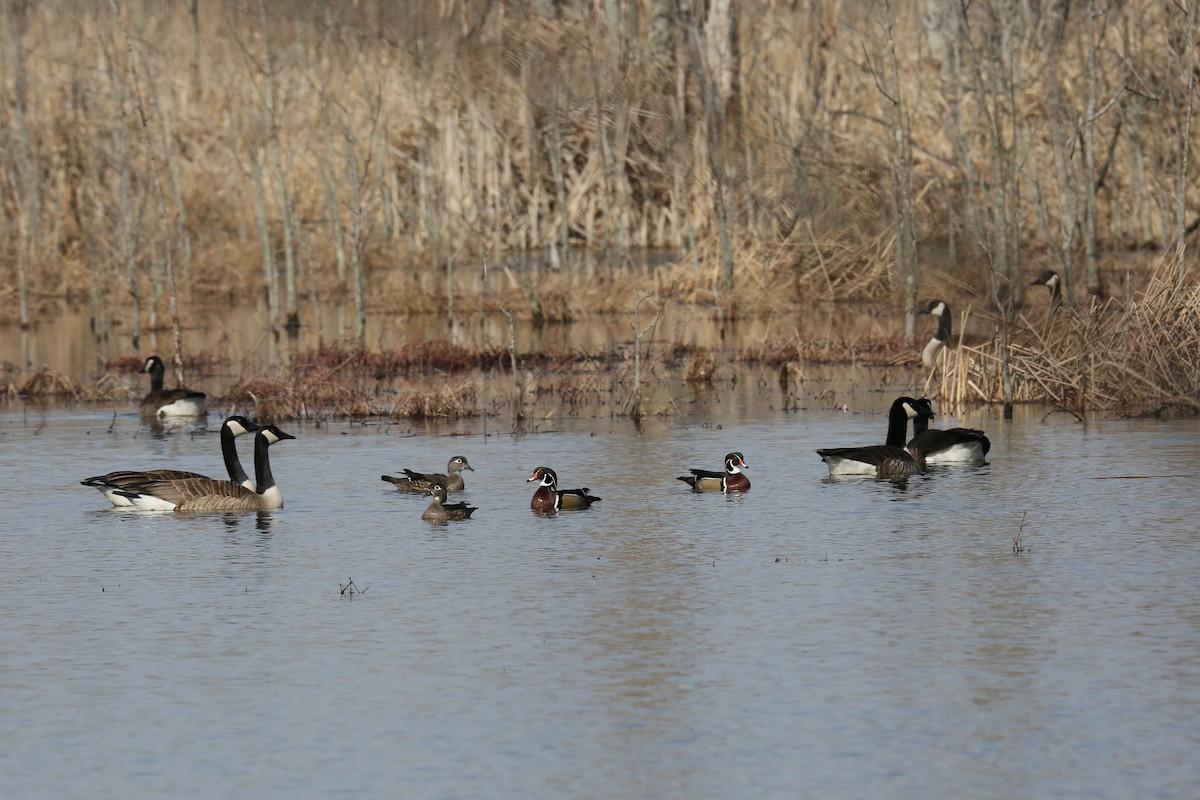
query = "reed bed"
x=206 y=151
x=1140 y=357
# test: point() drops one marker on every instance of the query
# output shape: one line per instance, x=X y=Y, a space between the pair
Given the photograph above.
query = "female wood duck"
x=941 y=336
x=440 y=511
x=950 y=446
x=549 y=497
x=731 y=480
x=885 y=460
x=169 y=402
x=424 y=481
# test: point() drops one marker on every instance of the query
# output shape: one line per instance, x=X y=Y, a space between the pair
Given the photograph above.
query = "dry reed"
x=376 y=141
x=1141 y=357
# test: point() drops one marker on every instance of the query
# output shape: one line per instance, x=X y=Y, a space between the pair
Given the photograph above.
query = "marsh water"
x=810 y=638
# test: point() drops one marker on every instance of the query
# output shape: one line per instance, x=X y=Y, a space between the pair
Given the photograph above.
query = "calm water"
x=812 y=638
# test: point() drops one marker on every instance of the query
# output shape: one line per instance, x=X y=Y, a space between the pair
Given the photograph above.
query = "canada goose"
x=231 y=428
x=170 y=402
x=439 y=510
x=949 y=446
x=886 y=460
x=424 y=481
x=549 y=497
x=208 y=494
x=1051 y=280
x=731 y=480
x=941 y=336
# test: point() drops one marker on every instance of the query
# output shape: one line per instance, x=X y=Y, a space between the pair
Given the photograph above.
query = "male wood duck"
x=440 y=511
x=424 y=481
x=885 y=460
x=949 y=446
x=549 y=497
x=731 y=480
x=169 y=402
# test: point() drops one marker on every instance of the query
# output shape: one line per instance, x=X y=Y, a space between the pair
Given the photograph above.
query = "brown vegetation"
x=459 y=158
x=1141 y=357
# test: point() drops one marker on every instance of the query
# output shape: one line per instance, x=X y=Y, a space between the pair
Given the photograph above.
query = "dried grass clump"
x=1140 y=358
x=888 y=351
x=303 y=397
x=422 y=357
x=577 y=390
x=444 y=402
x=48 y=382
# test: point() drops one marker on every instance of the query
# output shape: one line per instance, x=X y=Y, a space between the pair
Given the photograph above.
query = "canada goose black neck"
x=941 y=336
x=903 y=409
x=231 y=428
x=157 y=371
x=265 y=437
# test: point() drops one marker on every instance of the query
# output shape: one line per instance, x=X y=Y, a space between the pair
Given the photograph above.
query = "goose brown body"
x=125 y=480
x=200 y=494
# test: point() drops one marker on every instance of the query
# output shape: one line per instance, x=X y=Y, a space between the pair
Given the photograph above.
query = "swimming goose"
x=1051 y=280
x=231 y=428
x=170 y=402
x=207 y=494
x=424 y=481
x=549 y=497
x=731 y=480
x=885 y=460
x=941 y=336
x=440 y=511
x=949 y=446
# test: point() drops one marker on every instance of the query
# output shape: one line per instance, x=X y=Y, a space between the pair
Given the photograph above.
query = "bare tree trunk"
x=30 y=212
x=150 y=112
x=900 y=149
x=264 y=238
x=560 y=187
x=1185 y=136
x=1091 y=258
x=276 y=161
x=194 y=24
x=357 y=237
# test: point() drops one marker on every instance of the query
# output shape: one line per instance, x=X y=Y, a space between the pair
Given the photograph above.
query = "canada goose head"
x=545 y=477
x=936 y=308
x=735 y=463
x=152 y=365
x=239 y=425
x=272 y=434
x=1051 y=280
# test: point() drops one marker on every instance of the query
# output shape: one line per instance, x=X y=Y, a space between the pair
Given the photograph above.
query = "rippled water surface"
x=812 y=638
